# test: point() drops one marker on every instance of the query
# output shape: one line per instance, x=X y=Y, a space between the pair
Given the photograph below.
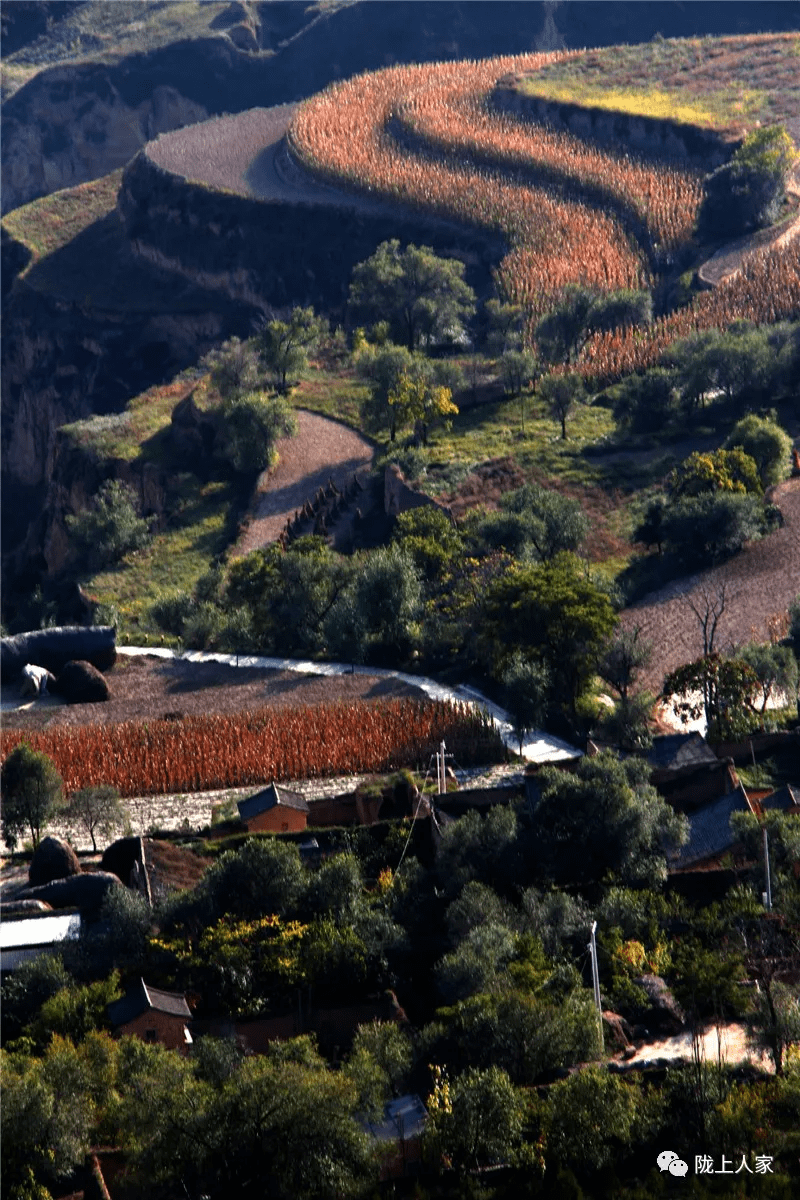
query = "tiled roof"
x=143 y=998
x=677 y=751
x=785 y=798
x=271 y=797
x=710 y=830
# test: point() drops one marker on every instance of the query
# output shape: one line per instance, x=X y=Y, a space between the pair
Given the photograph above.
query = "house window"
x=149 y=1035
x=284 y=826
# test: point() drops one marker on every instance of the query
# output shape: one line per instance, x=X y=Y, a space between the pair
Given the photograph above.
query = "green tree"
x=476 y=1121
x=25 y=990
x=420 y=400
x=424 y=297
x=96 y=810
x=712 y=526
x=251 y=423
x=746 y=192
x=604 y=816
x=430 y=537
x=285 y=345
x=526 y=685
x=775 y=668
x=505 y=326
x=766 y=443
x=379 y=1064
x=234 y=368
x=31 y=789
x=553 y=614
x=561 y=334
x=111 y=528
x=642 y=403
x=561 y=393
x=719 y=689
x=624 y=657
x=593 y=1119
x=376 y=615
x=550 y=523
x=629 y=723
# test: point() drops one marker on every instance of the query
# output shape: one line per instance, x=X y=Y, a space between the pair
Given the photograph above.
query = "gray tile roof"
x=710 y=830
x=143 y=998
x=785 y=797
x=271 y=797
x=677 y=751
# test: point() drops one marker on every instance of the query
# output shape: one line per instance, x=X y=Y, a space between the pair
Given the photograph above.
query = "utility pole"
x=596 y=982
x=768 y=892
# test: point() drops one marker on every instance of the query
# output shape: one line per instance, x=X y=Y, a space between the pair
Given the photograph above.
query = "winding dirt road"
x=321 y=450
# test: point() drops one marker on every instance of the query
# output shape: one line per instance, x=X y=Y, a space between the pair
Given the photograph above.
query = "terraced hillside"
x=571 y=212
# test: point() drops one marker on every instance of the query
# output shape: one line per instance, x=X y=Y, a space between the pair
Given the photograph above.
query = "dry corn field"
x=225 y=751
x=426 y=136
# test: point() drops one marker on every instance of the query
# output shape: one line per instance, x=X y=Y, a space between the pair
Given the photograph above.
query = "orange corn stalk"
x=220 y=751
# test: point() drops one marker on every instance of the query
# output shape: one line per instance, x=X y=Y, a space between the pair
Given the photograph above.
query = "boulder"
x=53 y=859
x=85 y=891
x=122 y=856
x=54 y=648
x=665 y=1016
x=81 y=683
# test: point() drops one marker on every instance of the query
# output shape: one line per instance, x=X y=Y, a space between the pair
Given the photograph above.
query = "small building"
x=25 y=938
x=399 y=1135
x=687 y=772
x=710 y=832
x=154 y=1016
x=274 y=810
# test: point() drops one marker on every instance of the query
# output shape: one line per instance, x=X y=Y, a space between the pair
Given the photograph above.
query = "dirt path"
x=760 y=583
x=322 y=450
x=245 y=153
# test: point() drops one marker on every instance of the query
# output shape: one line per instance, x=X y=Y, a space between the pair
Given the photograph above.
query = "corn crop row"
x=452 y=114
x=342 y=134
x=766 y=289
x=203 y=753
x=345 y=135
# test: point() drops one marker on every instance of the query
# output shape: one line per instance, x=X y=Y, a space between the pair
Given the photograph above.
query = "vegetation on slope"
x=730 y=84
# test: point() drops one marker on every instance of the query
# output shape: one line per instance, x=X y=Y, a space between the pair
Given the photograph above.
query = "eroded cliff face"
x=62 y=364
x=77 y=126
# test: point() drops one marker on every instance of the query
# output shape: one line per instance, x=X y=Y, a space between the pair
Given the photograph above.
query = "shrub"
x=109 y=530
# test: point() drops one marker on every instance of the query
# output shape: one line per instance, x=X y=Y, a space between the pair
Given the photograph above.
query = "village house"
x=274 y=810
x=154 y=1016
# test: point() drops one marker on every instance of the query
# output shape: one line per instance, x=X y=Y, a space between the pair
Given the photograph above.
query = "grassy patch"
x=495 y=430
x=50 y=223
x=174 y=561
x=333 y=392
x=147 y=417
x=730 y=84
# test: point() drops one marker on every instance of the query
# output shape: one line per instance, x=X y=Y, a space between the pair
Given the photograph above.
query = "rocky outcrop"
x=77 y=126
x=399 y=496
x=85 y=891
x=52 y=859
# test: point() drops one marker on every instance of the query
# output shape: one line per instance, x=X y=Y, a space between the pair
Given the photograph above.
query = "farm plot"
x=224 y=751
x=760 y=583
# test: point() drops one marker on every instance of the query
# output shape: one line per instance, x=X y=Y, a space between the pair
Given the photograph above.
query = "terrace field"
x=730 y=84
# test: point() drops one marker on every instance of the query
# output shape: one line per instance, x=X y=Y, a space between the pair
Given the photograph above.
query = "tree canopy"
x=423 y=297
x=31 y=788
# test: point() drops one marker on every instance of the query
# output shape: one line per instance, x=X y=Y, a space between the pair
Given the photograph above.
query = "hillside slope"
x=81 y=101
